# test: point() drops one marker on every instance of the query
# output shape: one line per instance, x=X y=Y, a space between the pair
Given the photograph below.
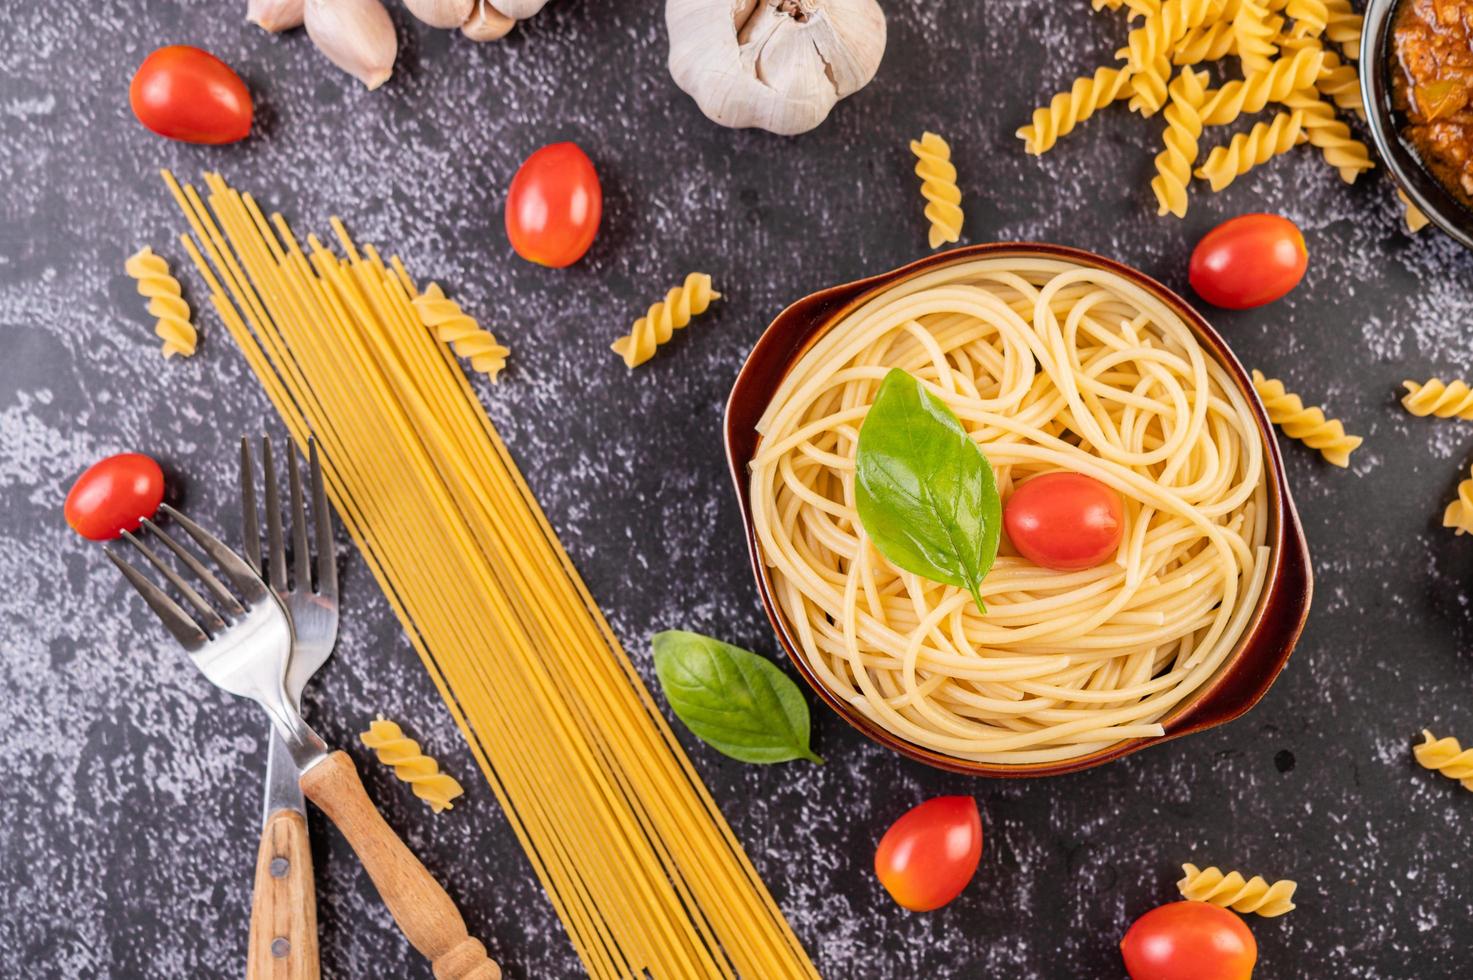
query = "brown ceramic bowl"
x=1270 y=634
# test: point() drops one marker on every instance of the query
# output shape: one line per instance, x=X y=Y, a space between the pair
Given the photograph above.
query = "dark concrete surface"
x=130 y=790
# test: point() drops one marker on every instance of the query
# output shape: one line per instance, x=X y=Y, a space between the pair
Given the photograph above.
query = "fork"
x=283 y=935
x=242 y=643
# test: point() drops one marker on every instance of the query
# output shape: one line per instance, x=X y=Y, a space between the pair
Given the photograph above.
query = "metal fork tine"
x=210 y=620
x=250 y=516
x=327 y=565
x=175 y=620
x=275 y=547
x=249 y=584
x=301 y=557
x=217 y=589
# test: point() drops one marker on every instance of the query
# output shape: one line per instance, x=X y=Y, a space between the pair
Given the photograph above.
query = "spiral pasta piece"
x=1459 y=513
x=1068 y=109
x=1148 y=49
x=1445 y=401
x=455 y=327
x=1248 y=150
x=657 y=326
x=1447 y=756
x=1211 y=41
x=411 y=765
x=165 y=302
x=1343 y=26
x=1283 y=77
x=1326 y=131
x=1311 y=17
x=1255 y=36
x=1183 y=127
x=1415 y=219
x=1308 y=425
x=1231 y=891
x=938 y=187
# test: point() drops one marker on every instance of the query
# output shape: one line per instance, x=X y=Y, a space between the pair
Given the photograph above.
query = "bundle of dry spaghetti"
x=640 y=865
x=1049 y=366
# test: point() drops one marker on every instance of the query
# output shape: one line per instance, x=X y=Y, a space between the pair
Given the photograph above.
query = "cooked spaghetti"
x=645 y=874
x=1049 y=366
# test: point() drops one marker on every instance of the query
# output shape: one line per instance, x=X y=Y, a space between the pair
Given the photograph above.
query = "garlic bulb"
x=275 y=15
x=776 y=64
x=519 y=9
x=442 y=13
x=487 y=23
x=356 y=35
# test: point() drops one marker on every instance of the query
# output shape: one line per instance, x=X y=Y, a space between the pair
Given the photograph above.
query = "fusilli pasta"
x=1207 y=42
x=1310 y=17
x=1415 y=219
x=1325 y=130
x=1283 y=77
x=455 y=327
x=1251 y=29
x=657 y=326
x=1232 y=892
x=1148 y=49
x=165 y=302
x=1068 y=109
x=938 y=187
x=1446 y=756
x=1459 y=513
x=1183 y=127
x=1248 y=150
x=411 y=765
x=1446 y=401
x=1308 y=425
x=1343 y=26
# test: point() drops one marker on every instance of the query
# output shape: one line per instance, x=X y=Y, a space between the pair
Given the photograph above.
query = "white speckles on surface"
x=127 y=827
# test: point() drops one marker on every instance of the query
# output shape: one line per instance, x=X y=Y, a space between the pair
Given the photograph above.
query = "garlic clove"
x=780 y=65
x=442 y=13
x=518 y=9
x=356 y=35
x=275 y=15
x=487 y=23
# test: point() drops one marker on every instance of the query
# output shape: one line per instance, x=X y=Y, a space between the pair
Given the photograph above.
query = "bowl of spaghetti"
x=1052 y=359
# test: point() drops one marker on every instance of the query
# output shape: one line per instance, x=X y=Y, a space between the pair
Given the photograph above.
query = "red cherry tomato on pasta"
x=1065 y=521
x=114 y=495
x=927 y=856
x=1248 y=261
x=554 y=206
x=1189 y=941
x=188 y=94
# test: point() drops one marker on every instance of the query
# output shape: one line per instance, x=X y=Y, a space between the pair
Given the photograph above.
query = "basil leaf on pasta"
x=923 y=489
x=738 y=703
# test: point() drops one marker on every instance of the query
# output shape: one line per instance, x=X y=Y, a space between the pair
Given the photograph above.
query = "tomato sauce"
x=1433 y=88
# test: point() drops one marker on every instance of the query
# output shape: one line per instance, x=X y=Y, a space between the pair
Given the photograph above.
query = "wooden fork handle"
x=426 y=915
x=283 y=943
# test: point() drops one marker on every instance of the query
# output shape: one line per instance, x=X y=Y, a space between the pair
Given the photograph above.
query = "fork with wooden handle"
x=283 y=938
x=241 y=640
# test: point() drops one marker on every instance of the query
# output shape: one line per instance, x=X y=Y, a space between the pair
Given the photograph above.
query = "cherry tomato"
x=554 y=206
x=188 y=94
x=1248 y=261
x=1065 y=521
x=1189 y=941
x=927 y=856
x=114 y=495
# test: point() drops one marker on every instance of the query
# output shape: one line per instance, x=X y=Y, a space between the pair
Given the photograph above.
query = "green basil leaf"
x=738 y=703
x=924 y=490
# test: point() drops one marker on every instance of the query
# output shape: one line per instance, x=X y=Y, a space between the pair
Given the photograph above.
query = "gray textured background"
x=130 y=788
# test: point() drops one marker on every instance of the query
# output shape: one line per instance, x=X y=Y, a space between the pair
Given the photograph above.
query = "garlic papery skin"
x=780 y=65
x=519 y=9
x=442 y=13
x=275 y=15
x=487 y=23
x=356 y=35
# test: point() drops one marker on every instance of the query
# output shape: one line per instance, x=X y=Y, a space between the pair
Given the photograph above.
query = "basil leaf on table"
x=924 y=490
x=738 y=703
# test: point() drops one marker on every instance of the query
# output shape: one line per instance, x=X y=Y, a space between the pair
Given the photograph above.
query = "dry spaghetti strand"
x=638 y=862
